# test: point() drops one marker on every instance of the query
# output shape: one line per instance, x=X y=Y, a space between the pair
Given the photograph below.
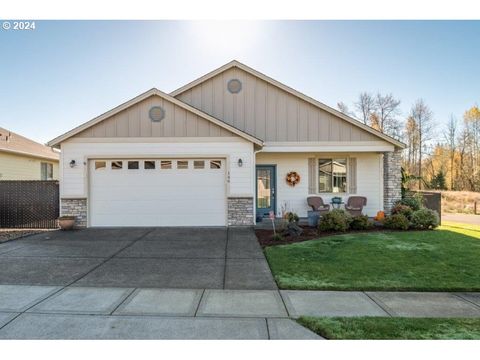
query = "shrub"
x=292 y=217
x=361 y=222
x=335 y=220
x=403 y=209
x=414 y=202
x=424 y=219
x=397 y=222
x=277 y=237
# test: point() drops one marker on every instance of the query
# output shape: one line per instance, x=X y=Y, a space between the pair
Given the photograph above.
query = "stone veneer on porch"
x=77 y=208
x=392 y=179
x=240 y=211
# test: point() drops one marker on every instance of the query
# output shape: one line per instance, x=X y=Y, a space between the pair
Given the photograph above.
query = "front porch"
x=373 y=175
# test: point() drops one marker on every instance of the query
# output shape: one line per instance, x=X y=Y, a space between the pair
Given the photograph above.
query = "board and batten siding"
x=135 y=122
x=369 y=180
x=19 y=167
x=74 y=182
x=268 y=112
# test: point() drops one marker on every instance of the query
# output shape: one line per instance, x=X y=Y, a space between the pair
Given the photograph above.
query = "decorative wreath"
x=293 y=178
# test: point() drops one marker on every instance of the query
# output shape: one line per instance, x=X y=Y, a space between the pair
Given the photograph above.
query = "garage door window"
x=215 y=164
x=133 y=165
x=199 y=164
x=117 y=165
x=182 y=164
x=149 y=165
x=100 y=165
x=165 y=164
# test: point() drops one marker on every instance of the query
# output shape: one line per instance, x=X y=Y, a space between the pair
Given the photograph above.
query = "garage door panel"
x=157 y=197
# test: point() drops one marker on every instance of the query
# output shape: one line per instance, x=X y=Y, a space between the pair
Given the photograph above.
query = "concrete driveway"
x=192 y=258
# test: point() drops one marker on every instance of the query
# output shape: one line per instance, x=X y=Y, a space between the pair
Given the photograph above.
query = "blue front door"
x=266 y=192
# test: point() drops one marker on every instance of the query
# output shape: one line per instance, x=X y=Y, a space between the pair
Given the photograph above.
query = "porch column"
x=392 y=179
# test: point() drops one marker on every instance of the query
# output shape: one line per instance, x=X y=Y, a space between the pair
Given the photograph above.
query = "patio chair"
x=355 y=205
x=316 y=203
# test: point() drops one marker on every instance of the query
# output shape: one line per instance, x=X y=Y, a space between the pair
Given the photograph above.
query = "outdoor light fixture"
x=240 y=162
x=72 y=163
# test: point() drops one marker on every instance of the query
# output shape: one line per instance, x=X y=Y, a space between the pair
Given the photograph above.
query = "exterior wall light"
x=72 y=164
x=240 y=162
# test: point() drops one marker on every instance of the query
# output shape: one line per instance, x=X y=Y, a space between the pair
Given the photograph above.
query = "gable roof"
x=141 y=97
x=291 y=91
x=17 y=144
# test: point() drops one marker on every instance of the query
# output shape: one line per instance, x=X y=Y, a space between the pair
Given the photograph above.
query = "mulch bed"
x=265 y=237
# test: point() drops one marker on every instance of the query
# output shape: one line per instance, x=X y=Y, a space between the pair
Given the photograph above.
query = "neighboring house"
x=217 y=152
x=25 y=159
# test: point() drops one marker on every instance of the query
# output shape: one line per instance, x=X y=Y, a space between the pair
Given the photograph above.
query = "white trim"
x=153 y=140
x=346 y=147
x=291 y=91
x=141 y=97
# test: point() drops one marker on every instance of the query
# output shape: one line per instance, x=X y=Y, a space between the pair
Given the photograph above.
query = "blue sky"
x=64 y=73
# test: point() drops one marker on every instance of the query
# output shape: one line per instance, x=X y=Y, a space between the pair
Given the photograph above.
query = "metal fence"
x=29 y=204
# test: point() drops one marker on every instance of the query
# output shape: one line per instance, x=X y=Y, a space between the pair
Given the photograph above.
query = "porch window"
x=332 y=175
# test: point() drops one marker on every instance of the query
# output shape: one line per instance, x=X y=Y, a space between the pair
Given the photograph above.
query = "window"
x=182 y=164
x=165 y=164
x=332 y=175
x=46 y=171
x=215 y=164
x=149 y=164
x=117 y=165
x=133 y=165
x=99 y=165
x=199 y=164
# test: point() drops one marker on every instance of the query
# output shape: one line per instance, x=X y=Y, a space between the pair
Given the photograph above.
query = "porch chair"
x=355 y=205
x=316 y=203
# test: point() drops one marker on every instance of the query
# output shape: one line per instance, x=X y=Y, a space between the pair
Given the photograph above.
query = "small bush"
x=335 y=220
x=403 y=209
x=292 y=217
x=361 y=222
x=396 y=222
x=277 y=237
x=424 y=219
x=413 y=202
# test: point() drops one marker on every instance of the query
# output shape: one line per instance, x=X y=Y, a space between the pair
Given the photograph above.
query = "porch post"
x=392 y=179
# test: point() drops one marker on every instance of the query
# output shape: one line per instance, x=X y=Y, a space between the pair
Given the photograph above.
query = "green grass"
x=393 y=328
x=445 y=259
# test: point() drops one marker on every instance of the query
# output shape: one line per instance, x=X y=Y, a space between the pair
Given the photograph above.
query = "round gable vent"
x=234 y=86
x=156 y=113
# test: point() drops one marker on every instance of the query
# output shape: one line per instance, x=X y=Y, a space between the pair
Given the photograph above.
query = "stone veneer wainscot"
x=77 y=208
x=240 y=211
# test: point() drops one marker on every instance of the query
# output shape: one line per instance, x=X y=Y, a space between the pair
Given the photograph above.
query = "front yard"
x=445 y=259
x=377 y=328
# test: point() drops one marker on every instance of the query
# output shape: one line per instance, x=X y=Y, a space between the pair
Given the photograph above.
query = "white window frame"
x=331 y=157
x=47 y=166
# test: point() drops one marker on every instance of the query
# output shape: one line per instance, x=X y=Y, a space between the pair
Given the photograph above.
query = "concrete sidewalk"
x=48 y=312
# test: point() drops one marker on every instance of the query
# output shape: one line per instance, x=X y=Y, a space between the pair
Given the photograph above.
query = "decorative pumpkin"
x=380 y=216
x=293 y=178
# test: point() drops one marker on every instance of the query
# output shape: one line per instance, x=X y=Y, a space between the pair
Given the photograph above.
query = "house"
x=25 y=159
x=217 y=152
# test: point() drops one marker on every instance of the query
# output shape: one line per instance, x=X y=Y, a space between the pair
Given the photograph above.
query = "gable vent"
x=156 y=113
x=234 y=86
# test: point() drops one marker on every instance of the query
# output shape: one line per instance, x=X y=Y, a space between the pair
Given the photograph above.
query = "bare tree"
x=451 y=140
x=344 y=108
x=366 y=106
x=387 y=111
x=423 y=117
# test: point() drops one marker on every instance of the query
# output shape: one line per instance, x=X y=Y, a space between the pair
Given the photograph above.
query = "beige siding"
x=268 y=112
x=16 y=167
x=135 y=122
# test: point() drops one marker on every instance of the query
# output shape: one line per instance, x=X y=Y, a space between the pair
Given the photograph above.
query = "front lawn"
x=445 y=259
x=393 y=328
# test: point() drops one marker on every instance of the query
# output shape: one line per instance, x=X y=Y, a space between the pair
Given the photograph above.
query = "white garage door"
x=157 y=192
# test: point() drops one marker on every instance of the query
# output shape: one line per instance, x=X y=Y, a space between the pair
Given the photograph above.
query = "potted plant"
x=66 y=222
